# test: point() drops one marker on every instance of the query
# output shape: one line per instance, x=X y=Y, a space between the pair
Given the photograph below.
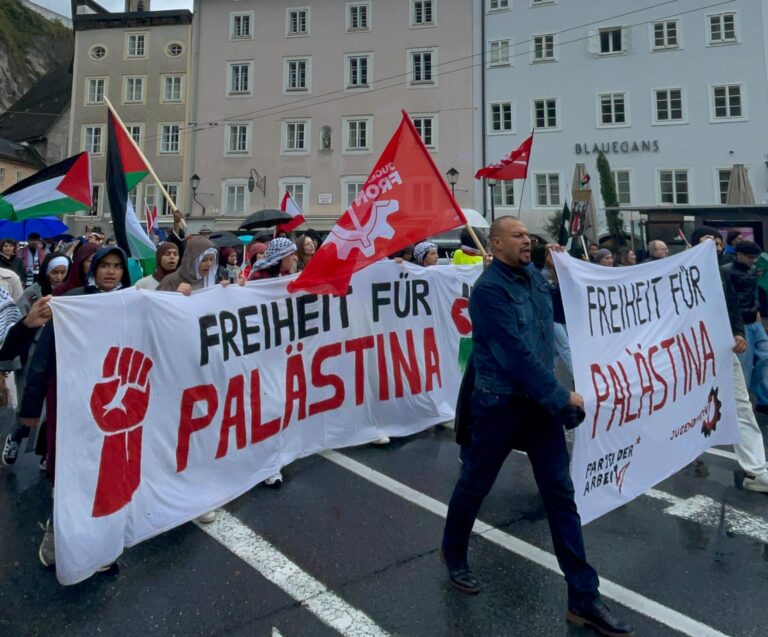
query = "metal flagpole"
x=522 y=189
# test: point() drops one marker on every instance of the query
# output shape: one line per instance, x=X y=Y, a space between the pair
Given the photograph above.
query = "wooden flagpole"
x=522 y=188
x=144 y=159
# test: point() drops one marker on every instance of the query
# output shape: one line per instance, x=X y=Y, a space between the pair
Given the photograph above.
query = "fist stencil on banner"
x=118 y=405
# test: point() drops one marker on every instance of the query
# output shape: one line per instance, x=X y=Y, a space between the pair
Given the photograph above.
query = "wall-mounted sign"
x=626 y=147
x=325 y=198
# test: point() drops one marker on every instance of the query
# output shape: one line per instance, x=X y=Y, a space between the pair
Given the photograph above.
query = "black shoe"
x=598 y=616
x=761 y=409
x=461 y=578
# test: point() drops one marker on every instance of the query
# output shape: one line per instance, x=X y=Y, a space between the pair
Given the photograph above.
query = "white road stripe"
x=278 y=569
x=611 y=590
x=721 y=453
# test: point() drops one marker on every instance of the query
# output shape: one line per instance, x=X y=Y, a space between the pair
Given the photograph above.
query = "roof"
x=19 y=153
x=87 y=22
x=36 y=112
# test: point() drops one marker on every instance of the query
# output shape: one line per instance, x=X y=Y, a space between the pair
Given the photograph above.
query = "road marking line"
x=722 y=453
x=611 y=590
x=278 y=569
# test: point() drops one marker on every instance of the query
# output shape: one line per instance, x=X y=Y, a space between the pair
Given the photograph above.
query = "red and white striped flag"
x=289 y=206
x=151 y=218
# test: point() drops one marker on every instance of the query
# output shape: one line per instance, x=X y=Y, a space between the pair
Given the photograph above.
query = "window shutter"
x=626 y=39
x=593 y=42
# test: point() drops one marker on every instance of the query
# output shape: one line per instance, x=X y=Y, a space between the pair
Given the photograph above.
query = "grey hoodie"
x=187 y=270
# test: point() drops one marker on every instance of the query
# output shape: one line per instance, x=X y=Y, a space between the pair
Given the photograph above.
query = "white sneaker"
x=381 y=441
x=207 y=518
x=275 y=480
x=756 y=483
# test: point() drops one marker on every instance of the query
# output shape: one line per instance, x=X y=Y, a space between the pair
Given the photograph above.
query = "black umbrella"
x=265 y=219
x=224 y=239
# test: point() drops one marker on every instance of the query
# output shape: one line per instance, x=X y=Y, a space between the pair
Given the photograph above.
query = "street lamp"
x=492 y=185
x=194 y=181
x=255 y=180
x=453 y=177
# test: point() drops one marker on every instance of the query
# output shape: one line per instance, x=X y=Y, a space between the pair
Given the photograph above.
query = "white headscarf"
x=210 y=278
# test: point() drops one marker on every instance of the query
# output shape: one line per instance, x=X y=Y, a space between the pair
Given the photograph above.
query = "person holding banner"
x=197 y=269
x=167 y=256
x=518 y=403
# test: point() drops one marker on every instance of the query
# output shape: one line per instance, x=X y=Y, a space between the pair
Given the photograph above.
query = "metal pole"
x=493 y=212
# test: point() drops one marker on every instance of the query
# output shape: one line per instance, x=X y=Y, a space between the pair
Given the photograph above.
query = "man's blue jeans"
x=754 y=362
x=499 y=425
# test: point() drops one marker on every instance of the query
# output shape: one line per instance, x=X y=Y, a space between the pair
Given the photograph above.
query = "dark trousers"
x=499 y=425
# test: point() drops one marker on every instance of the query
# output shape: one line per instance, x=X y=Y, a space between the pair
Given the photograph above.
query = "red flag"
x=151 y=218
x=512 y=166
x=404 y=200
x=288 y=205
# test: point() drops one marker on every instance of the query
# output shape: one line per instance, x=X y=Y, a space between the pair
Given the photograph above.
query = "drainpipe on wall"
x=483 y=115
x=192 y=102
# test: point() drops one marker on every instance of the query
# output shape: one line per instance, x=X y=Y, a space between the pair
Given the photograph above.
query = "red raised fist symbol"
x=118 y=405
x=460 y=316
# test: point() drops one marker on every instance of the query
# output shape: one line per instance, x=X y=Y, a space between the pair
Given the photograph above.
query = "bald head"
x=658 y=249
x=510 y=241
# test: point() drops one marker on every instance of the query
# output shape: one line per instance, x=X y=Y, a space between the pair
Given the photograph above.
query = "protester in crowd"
x=732 y=239
x=604 y=257
x=31 y=256
x=8 y=258
x=719 y=248
x=750 y=452
x=111 y=241
x=16 y=331
x=167 y=259
x=81 y=263
x=517 y=403
x=255 y=251
x=542 y=260
x=592 y=251
x=656 y=250
x=108 y=272
x=97 y=238
x=229 y=270
x=425 y=253
x=315 y=236
x=197 y=269
x=11 y=283
x=626 y=257
x=468 y=252
x=404 y=255
x=306 y=250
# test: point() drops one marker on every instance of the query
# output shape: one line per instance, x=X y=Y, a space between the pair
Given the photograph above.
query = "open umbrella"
x=44 y=226
x=739 y=188
x=265 y=219
x=475 y=219
x=224 y=239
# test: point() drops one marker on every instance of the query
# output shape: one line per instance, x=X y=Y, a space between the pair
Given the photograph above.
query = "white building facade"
x=673 y=96
x=306 y=93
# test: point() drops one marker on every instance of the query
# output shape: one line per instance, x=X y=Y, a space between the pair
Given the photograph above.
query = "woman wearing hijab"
x=281 y=260
x=81 y=262
x=167 y=258
x=53 y=270
x=254 y=252
x=230 y=269
x=108 y=272
x=425 y=253
x=197 y=269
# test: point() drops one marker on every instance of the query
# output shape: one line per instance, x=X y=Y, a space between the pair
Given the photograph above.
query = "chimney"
x=132 y=6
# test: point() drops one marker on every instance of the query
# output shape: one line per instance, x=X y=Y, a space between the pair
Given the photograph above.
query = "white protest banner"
x=652 y=356
x=170 y=406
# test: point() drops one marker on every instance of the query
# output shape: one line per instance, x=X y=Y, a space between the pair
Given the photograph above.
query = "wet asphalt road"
x=378 y=552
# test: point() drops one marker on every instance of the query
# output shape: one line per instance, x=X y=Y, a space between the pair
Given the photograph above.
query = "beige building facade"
x=141 y=61
x=304 y=95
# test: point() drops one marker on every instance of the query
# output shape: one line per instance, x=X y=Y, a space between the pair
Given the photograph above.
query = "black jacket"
x=744 y=282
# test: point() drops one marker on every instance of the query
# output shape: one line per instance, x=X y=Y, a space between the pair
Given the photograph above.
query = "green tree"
x=552 y=225
x=608 y=191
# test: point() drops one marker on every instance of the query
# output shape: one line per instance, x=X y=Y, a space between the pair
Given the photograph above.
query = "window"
x=297 y=21
x=722 y=28
x=673 y=186
x=173 y=192
x=498 y=52
x=136 y=131
x=350 y=188
x=98 y=52
x=136 y=45
x=297 y=75
x=726 y=102
x=548 y=189
x=723 y=180
x=235 y=198
x=357 y=134
x=170 y=138
x=296 y=136
x=93 y=139
x=239 y=78
x=174 y=49
x=426 y=126
x=2 y=175
x=543 y=48
x=240 y=25
x=238 y=139
x=501 y=117
x=357 y=71
x=95 y=90
x=133 y=90
x=504 y=193
x=18 y=176
x=545 y=113
x=358 y=16
x=610 y=40
x=173 y=88
x=621 y=183
x=665 y=35
x=422 y=13
x=421 y=67
x=612 y=109
x=298 y=188
x=497 y=5
x=536 y=3
x=95 y=201
x=133 y=198
x=669 y=105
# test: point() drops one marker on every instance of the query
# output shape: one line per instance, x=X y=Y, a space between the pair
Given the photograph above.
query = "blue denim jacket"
x=512 y=334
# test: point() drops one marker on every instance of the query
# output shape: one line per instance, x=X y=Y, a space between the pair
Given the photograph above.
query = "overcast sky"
x=63 y=6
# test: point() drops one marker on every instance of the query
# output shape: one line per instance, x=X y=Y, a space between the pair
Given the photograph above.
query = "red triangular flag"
x=289 y=205
x=511 y=166
x=404 y=200
x=76 y=184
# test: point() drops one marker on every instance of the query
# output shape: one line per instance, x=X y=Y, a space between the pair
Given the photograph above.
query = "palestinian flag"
x=125 y=169
x=61 y=189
